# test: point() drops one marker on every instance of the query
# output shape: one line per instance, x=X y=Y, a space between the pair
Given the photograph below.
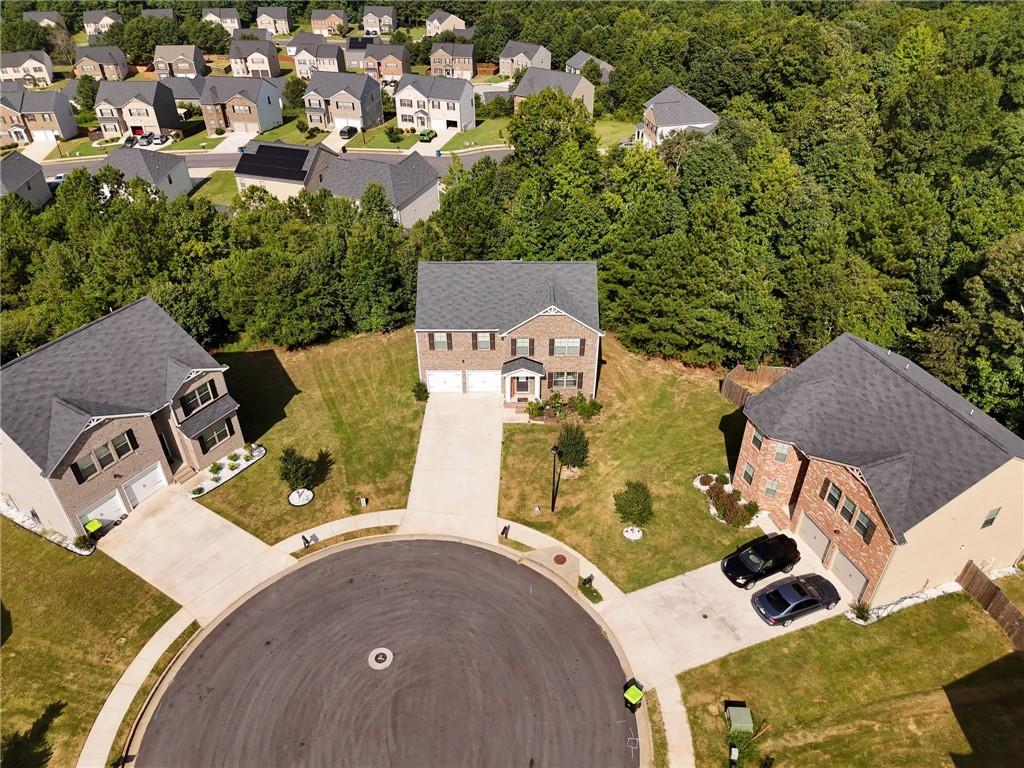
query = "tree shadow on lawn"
x=989 y=706
x=262 y=387
x=30 y=749
x=731 y=426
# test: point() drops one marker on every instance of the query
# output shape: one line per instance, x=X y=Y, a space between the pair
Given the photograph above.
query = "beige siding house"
x=178 y=61
x=33 y=69
x=320 y=57
x=536 y=80
x=274 y=19
x=226 y=17
x=516 y=55
x=136 y=107
x=102 y=62
x=673 y=111
x=23 y=177
x=254 y=58
x=240 y=105
x=379 y=19
x=28 y=116
x=442 y=21
x=98 y=23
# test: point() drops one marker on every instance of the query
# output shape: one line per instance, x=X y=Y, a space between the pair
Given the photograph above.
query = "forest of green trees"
x=867 y=176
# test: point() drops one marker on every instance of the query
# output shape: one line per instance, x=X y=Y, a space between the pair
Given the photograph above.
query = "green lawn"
x=420 y=69
x=493 y=131
x=611 y=132
x=80 y=147
x=351 y=397
x=661 y=423
x=70 y=627
x=490 y=78
x=289 y=133
x=930 y=681
x=1013 y=587
x=195 y=137
x=375 y=138
x=220 y=188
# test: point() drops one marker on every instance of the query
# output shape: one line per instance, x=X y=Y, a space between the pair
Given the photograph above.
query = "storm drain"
x=380 y=658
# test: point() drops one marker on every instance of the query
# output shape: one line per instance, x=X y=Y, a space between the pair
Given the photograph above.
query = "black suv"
x=759 y=559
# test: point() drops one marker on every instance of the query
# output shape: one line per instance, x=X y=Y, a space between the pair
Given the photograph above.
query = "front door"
x=421 y=121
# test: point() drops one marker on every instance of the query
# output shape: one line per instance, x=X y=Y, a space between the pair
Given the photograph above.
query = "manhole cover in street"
x=380 y=658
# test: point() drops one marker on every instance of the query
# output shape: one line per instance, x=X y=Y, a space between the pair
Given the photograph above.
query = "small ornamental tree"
x=573 y=446
x=394 y=134
x=634 y=503
x=296 y=470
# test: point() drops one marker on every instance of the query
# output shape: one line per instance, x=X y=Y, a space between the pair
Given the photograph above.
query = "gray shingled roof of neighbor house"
x=17 y=58
x=447 y=88
x=95 y=17
x=217 y=90
x=221 y=13
x=674 y=107
x=102 y=54
x=143 y=164
x=208 y=416
x=579 y=59
x=462 y=50
x=15 y=170
x=379 y=10
x=120 y=92
x=168 y=52
x=522 y=364
x=379 y=50
x=14 y=96
x=514 y=48
x=439 y=15
x=132 y=360
x=499 y=295
x=320 y=50
x=917 y=443
x=304 y=38
x=38 y=16
x=349 y=176
x=186 y=88
x=537 y=79
x=320 y=14
x=158 y=13
x=327 y=84
x=273 y=11
x=255 y=32
x=243 y=49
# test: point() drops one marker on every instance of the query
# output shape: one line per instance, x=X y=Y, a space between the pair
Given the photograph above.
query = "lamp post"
x=554 y=476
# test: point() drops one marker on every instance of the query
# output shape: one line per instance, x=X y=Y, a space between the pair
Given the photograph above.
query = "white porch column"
x=536 y=383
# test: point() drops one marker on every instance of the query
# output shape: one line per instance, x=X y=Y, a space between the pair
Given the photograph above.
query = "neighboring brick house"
x=411 y=185
x=165 y=171
x=892 y=479
x=186 y=90
x=320 y=57
x=240 y=104
x=102 y=62
x=515 y=56
x=45 y=18
x=329 y=22
x=436 y=103
x=452 y=60
x=254 y=58
x=536 y=80
x=338 y=99
x=157 y=13
x=274 y=19
x=442 y=21
x=226 y=17
x=379 y=19
x=672 y=111
x=385 y=62
x=23 y=177
x=97 y=23
x=136 y=107
x=33 y=69
x=98 y=420
x=27 y=116
x=178 y=61
x=523 y=329
x=578 y=61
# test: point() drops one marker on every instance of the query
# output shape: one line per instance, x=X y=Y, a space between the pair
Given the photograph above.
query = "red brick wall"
x=767 y=468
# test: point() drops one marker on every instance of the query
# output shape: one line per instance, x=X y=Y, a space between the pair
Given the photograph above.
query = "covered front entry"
x=521 y=377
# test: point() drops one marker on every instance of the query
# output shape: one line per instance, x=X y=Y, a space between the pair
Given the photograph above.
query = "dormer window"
x=198 y=397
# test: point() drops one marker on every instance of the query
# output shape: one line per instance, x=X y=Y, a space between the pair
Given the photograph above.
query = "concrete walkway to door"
x=455 y=482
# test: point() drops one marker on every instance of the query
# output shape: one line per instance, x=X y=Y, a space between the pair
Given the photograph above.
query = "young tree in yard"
x=573 y=446
x=634 y=503
x=296 y=470
x=85 y=93
x=371 y=275
x=592 y=71
x=394 y=134
x=294 y=88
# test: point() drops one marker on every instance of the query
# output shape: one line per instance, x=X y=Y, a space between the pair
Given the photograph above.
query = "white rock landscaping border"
x=28 y=522
x=208 y=483
x=754 y=521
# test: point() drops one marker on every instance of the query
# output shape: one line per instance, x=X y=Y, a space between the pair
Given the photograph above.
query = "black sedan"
x=793 y=597
x=759 y=559
x=347 y=131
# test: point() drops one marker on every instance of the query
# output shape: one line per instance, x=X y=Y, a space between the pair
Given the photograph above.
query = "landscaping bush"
x=247 y=456
x=573 y=446
x=534 y=409
x=233 y=456
x=589 y=409
x=722 y=478
x=706 y=480
x=84 y=542
x=729 y=504
x=232 y=466
x=634 y=503
x=301 y=125
x=197 y=491
x=861 y=610
x=295 y=469
x=419 y=391
x=737 y=515
x=215 y=468
x=393 y=133
x=219 y=132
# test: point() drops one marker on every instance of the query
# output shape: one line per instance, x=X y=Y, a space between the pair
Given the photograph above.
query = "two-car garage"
x=137 y=489
x=841 y=566
x=475 y=381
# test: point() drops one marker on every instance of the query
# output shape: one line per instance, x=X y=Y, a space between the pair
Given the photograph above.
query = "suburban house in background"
x=672 y=111
x=45 y=18
x=300 y=39
x=319 y=57
x=412 y=185
x=338 y=99
x=97 y=23
x=379 y=19
x=101 y=62
x=329 y=22
x=442 y=21
x=157 y=13
x=892 y=479
x=166 y=172
x=24 y=177
x=274 y=19
x=136 y=107
x=521 y=328
x=178 y=61
x=27 y=116
x=240 y=104
x=579 y=60
x=437 y=103
x=186 y=90
x=536 y=80
x=80 y=445
x=283 y=170
x=385 y=62
x=515 y=56
x=225 y=17
x=452 y=60
x=33 y=69
x=254 y=58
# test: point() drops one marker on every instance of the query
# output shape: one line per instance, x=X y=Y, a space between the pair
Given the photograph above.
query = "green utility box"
x=739 y=719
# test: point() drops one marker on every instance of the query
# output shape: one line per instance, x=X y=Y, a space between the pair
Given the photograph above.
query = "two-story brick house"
x=136 y=107
x=436 y=103
x=80 y=444
x=33 y=69
x=452 y=60
x=27 y=116
x=673 y=111
x=240 y=105
x=523 y=329
x=385 y=63
x=178 y=61
x=254 y=58
x=889 y=477
x=101 y=62
x=339 y=99
x=328 y=21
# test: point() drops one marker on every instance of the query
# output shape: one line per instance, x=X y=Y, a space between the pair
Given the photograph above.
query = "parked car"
x=129 y=141
x=795 y=596
x=347 y=131
x=428 y=135
x=145 y=139
x=162 y=138
x=759 y=559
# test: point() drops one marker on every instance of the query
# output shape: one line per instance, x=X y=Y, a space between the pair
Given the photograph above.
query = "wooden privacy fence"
x=741 y=382
x=977 y=584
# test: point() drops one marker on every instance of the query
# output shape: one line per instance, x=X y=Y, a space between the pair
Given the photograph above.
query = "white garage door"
x=444 y=381
x=483 y=381
x=108 y=509
x=847 y=573
x=813 y=536
x=145 y=484
x=44 y=135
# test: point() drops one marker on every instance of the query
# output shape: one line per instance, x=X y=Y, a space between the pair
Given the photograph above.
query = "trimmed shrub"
x=706 y=480
x=215 y=468
x=861 y=610
x=393 y=133
x=233 y=456
x=84 y=542
x=295 y=469
x=534 y=409
x=588 y=409
x=573 y=446
x=634 y=503
x=197 y=491
x=232 y=466
x=219 y=132
x=419 y=391
x=722 y=478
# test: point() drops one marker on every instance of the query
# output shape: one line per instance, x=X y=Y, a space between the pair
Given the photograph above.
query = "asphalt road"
x=493 y=666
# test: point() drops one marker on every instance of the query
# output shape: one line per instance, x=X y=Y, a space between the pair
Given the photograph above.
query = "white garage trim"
x=145 y=484
x=108 y=509
x=444 y=381
x=813 y=536
x=848 y=574
x=483 y=381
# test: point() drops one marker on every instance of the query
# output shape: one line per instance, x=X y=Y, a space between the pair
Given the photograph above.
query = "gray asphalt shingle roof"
x=305 y=38
x=15 y=170
x=95 y=17
x=217 y=90
x=158 y=13
x=500 y=295
x=537 y=79
x=514 y=48
x=273 y=11
x=18 y=58
x=120 y=92
x=143 y=164
x=462 y=50
x=579 y=59
x=186 y=88
x=14 y=96
x=917 y=443
x=321 y=14
x=379 y=10
x=101 y=54
x=447 y=88
x=674 y=107
x=223 y=406
x=39 y=16
x=132 y=360
x=243 y=49
x=439 y=15
x=522 y=364
x=380 y=50
x=349 y=176
x=328 y=84
x=171 y=52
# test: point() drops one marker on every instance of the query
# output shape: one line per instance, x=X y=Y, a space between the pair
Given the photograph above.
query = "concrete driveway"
x=455 y=482
x=429 y=148
x=191 y=554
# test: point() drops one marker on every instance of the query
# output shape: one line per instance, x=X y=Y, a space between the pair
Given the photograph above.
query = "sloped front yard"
x=661 y=424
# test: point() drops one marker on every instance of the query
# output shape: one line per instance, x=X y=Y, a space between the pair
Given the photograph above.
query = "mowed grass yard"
x=662 y=424
x=70 y=627
x=219 y=188
x=352 y=397
x=934 y=680
x=1013 y=587
x=484 y=133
